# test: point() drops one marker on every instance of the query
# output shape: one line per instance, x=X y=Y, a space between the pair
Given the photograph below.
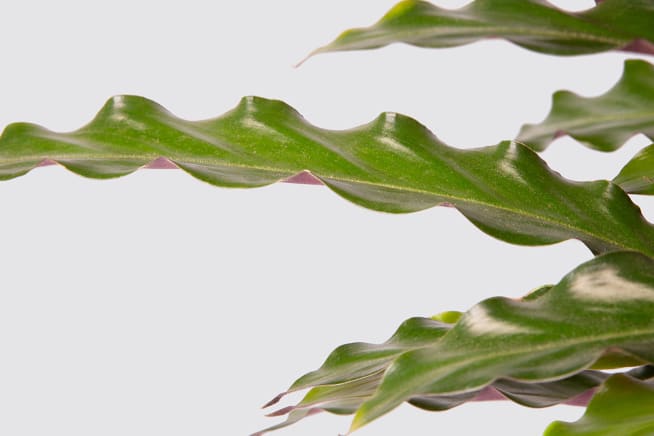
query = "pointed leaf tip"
x=532 y=341
x=612 y=25
x=274 y=401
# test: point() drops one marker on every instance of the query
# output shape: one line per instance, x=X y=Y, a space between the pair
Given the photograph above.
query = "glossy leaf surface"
x=346 y=398
x=604 y=122
x=637 y=177
x=352 y=361
x=393 y=164
x=604 y=304
x=533 y=24
x=358 y=361
x=624 y=406
x=352 y=373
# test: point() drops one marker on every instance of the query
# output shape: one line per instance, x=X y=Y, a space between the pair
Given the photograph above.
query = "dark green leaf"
x=392 y=164
x=359 y=360
x=637 y=177
x=352 y=361
x=623 y=406
x=645 y=373
x=353 y=372
x=616 y=359
x=547 y=394
x=604 y=122
x=604 y=304
x=532 y=24
x=346 y=398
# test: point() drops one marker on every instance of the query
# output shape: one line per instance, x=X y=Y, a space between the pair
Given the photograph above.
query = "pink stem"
x=637 y=46
x=640 y=46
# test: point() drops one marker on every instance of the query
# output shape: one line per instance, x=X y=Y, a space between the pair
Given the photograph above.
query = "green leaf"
x=352 y=373
x=604 y=122
x=637 y=177
x=360 y=359
x=532 y=24
x=547 y=394
x=624 y=406
x=536 y=395
x=604 y=304
x=346 y=398
x=293 y=417
x=392 y=164
x=616 y=359
x=645 y=372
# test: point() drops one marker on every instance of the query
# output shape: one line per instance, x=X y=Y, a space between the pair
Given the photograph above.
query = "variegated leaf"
x=604 y=304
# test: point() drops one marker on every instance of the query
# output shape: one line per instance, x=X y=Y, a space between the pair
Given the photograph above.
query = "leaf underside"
x=533 y=24
x=604 y=122
x=535 y=351
x=352 y=373
x=623 y=406
x=346 y=398
x=603 y=304
x=393 y=164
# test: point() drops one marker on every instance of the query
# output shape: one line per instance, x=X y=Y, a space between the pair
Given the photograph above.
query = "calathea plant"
x=549 y=347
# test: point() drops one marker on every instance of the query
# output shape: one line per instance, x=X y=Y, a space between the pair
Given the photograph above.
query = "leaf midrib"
x=360 y=418
x=545 y=129
x=444 y=367
x=416 y=35
x=585 y=340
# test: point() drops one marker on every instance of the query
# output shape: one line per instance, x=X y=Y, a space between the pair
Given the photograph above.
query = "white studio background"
x=156 y=304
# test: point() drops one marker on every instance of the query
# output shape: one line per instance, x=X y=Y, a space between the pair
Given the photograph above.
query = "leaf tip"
x=360 y=419
x=321 y=49
x=304 y=59
x=274 y=401
x=281 y=412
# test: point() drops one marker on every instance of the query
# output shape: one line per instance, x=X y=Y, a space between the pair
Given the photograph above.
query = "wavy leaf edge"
x=412 y=19
x=603 y=122
x=626 y=399
x=392 y=164
x=619 y=286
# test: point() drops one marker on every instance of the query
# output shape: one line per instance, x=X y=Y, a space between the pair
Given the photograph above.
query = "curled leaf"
x=604 y=122
x=603 y=304
x=533 y=24
x=352 y=374
x=623 y=406
x=393 y=164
